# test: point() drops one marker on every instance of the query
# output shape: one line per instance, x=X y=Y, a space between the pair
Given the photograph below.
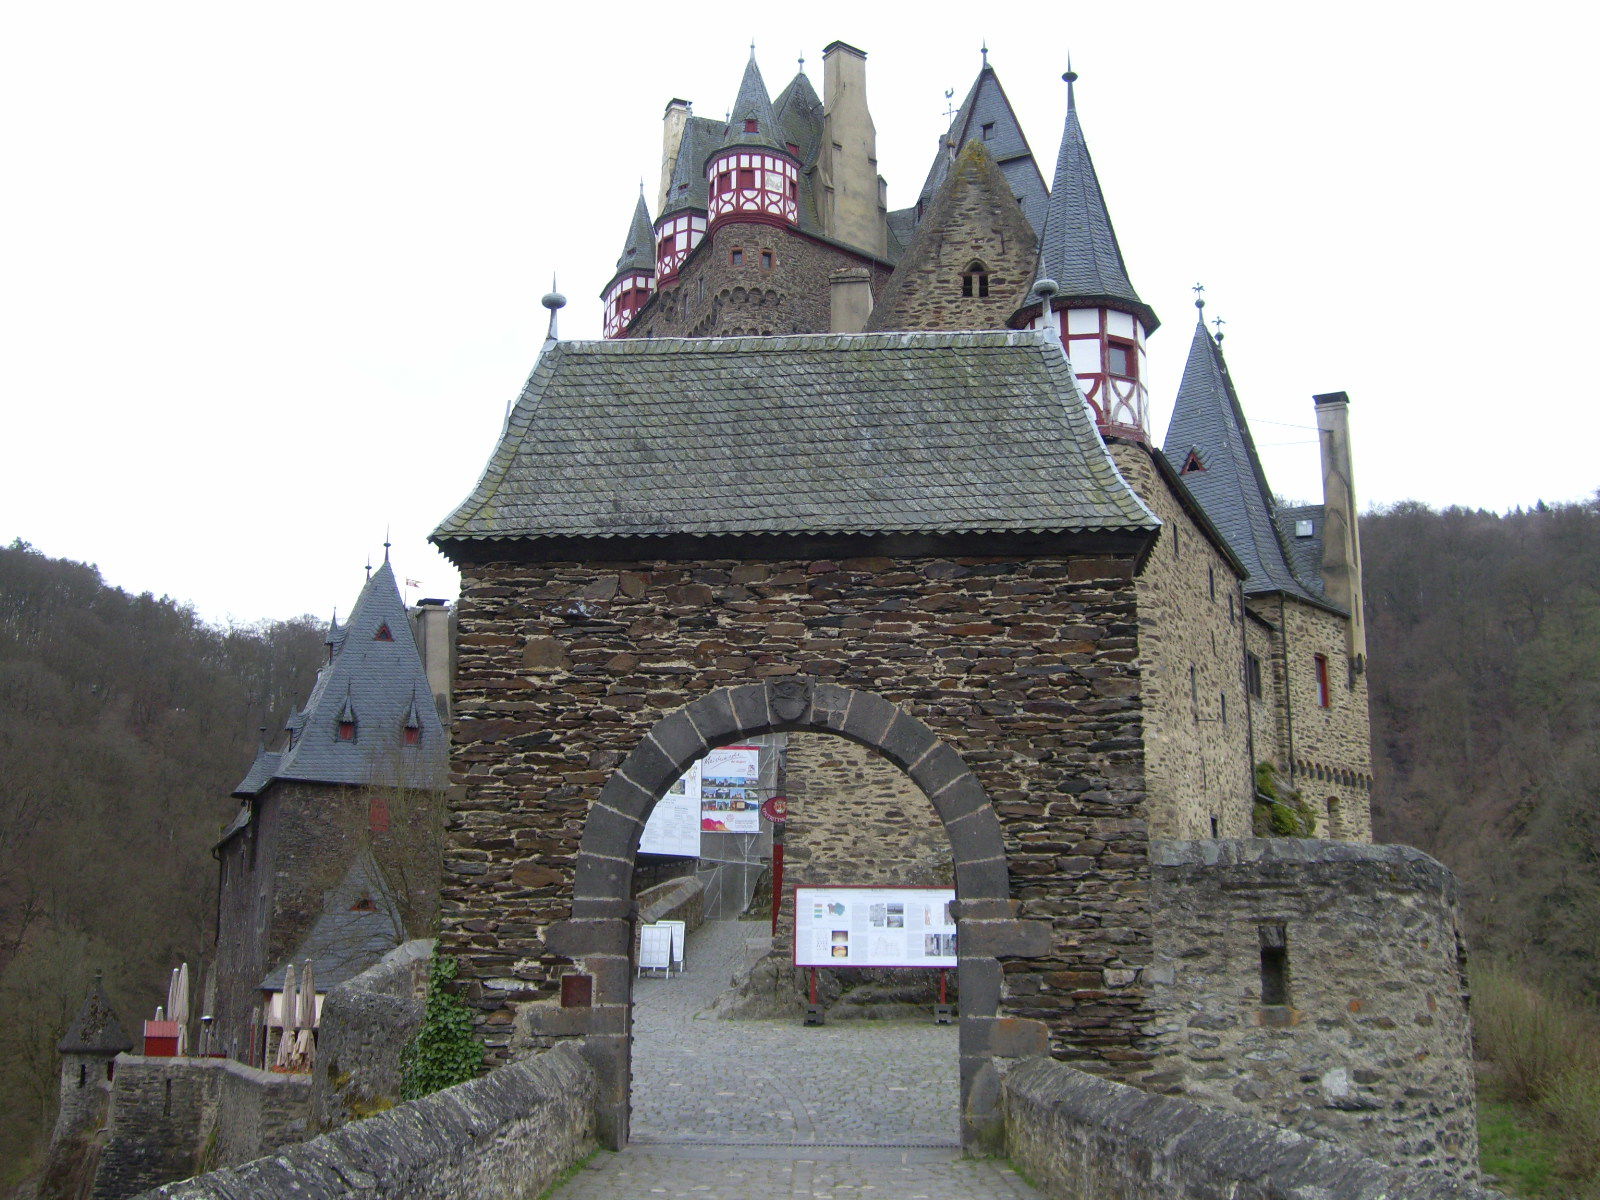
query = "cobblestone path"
x=735 y=1110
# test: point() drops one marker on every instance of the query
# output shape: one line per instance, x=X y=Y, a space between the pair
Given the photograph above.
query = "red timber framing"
x=676 y=236
x=1106 y=349
x=627 y=295
x=751 y=186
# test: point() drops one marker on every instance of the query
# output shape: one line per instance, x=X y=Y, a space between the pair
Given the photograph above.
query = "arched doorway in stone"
x=598 y=936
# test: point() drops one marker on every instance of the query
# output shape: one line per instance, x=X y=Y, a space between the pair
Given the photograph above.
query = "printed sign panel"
x=730 y=795
x=674 y=824
x=874 y=927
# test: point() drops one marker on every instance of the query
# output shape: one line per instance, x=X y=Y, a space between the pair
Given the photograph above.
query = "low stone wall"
x=171 y=1117
x=507 y=1135
x=681 y=899
x=1080 y=1137
x=1368 y=1043
x=367 y=1023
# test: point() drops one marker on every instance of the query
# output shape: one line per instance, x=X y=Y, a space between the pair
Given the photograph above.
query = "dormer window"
x=1305 y=529
x=1192 y=464
x=794 y=149
x=347 y=731
x=364 y=904
x=975 y=280
x=383 y=634
x=988 y=130
x=413 y=736
x=1122 y=358
x=749 y=124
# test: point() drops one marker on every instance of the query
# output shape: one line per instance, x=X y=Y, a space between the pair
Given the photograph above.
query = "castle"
x=1109 y=690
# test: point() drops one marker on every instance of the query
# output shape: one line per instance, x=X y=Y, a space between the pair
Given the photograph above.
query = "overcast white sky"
x=270 y=273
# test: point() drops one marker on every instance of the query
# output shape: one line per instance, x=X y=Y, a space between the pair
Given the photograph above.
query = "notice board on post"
x=874 y=927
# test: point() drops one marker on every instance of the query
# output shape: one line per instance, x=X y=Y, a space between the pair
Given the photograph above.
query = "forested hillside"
x=125 y=721
x=1485 y=649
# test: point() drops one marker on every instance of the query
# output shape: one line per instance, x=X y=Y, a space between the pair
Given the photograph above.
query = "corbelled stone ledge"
x=506 y=1134
x=1081 y=1137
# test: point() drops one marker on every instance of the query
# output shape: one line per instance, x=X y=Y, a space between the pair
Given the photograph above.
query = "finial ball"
x=1046 y=288
x=1070 y=77
x=554 y=300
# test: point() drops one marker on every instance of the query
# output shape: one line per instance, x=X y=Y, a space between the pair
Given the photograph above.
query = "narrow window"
x=1213 y=827
x=988 y=130
x=1194 y=691
x=1223 y=696
x=383 y=634
x=975 y=280
x=1252 y=675
x=166 y=1105
x=766 y=260
x=1323 y=699
x=668 y=243
x=1174 y=541
x=749 y=124
x=1335 y=821
x=83 y=1074
x=1211 y=581
x=736 y=257
x=413 y=736
x=1232 y=612
x=111 y=1070
x=1122 y=358
x=1274 y=965
x=347 y=731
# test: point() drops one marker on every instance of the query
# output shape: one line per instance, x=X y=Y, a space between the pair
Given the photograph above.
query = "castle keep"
x=943 y=554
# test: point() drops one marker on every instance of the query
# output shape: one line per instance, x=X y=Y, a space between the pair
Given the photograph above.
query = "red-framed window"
x=1122 y=358
x=413 y=736
x=383 y=634
x=347 y=731
x=1324 y=699
x=750 y=125
x=747 y=178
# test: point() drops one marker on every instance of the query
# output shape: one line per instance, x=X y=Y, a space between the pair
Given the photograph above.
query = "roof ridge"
x=880 y=339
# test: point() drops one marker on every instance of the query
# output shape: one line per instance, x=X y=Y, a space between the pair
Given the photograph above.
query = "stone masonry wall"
x=171 y=1117
x=1076 y=1137
x=1191 y=653
x=1026 y=667
x=1371 y=1047
x=1333 y=745
x=1267 y=726
x=509 y=1133
x=713 y=297
x=366 y=1023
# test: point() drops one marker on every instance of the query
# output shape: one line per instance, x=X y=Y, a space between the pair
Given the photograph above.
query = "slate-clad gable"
x=1304 y=553
x=360 y=923
x=687 y=191
x=1232 y=489
x=986 y=116
x=376 y=680
x=830 y=434
x=751 y=104
x=96 y=1030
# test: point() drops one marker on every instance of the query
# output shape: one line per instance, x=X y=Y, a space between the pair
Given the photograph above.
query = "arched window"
x=975 y=280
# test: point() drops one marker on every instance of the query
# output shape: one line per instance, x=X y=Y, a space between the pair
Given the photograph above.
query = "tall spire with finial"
x=555 y=302
x=752 y=174
x=634 y=283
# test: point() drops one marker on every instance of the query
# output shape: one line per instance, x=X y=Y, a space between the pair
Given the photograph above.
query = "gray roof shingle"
x=687 y=191
x=1231 y=487
x=359 y=924
x=987 y=116
x=1304 y=553
x=96 y=1029
x=1078 y=248
x=833 y=433
x=375 y=679
x=753 y=103
x=639 y=252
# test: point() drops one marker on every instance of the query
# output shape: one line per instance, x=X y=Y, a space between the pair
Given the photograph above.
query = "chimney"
x=673 y=122
x=430 y=625
x=847 y=164
x=849 y=299
x=1341 y=535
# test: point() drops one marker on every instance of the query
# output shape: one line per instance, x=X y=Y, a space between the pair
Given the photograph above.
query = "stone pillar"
x=1341 y=537
x=848 y=200
x=673 y=122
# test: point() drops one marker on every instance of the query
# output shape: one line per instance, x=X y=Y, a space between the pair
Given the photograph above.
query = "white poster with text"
x=874 y=927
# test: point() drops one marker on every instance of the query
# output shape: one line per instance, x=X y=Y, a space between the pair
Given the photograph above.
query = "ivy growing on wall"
x=444 y=1052
x=1279 y=810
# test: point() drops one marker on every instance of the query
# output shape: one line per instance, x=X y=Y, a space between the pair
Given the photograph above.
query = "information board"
x=674 y=823
x=874 y=927
x=730 y=790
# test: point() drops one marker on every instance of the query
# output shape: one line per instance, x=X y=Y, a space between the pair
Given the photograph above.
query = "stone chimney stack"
x=1341 y=534
x=673 y=122
x=431 y=622
x=849 y=299
x=847 y=164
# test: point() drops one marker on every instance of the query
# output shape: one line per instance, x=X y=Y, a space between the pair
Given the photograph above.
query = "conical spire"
x=97 y=1029
x=1210 y=443
x=752 y=105
x=1079 y=248
x=639 y=252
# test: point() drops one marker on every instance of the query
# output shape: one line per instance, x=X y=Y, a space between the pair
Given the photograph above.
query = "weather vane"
x=1199 y=295
x=1217 y=323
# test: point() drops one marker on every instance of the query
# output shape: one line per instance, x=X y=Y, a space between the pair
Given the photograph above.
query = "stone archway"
x=598 y=936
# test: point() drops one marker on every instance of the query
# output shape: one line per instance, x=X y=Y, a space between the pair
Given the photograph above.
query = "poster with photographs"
x=730 y=793
x=674 y=823
x=874 y=927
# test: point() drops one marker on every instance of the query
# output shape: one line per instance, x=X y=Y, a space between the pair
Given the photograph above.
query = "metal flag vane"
x=949 y=104
x=1217 y=323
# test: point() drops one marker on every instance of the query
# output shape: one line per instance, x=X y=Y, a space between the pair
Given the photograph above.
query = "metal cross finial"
x=1199 y=295
x=984 y=50
x=1218 y=323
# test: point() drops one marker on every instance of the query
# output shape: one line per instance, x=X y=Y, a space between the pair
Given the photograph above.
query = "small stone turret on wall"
x=88 y=1056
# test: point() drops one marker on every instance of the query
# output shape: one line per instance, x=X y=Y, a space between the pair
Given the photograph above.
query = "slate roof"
x=1232 y=487
x=687 y=191
x=376 y=681
x=96 y=1030
x=1304 y=553
x=1078 y=248
x=829 y=433
x=799 y=112
x=639 y=252
x=987 y=104
x=358 y=925
x=752 y=102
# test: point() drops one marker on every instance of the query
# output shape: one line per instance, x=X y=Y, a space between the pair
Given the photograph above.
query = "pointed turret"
x=986 y=116
x=635 y=281
x=682 y=223
x=1100 y=319
x=752 y=175
x=97 y=1031
x=1209 y=444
